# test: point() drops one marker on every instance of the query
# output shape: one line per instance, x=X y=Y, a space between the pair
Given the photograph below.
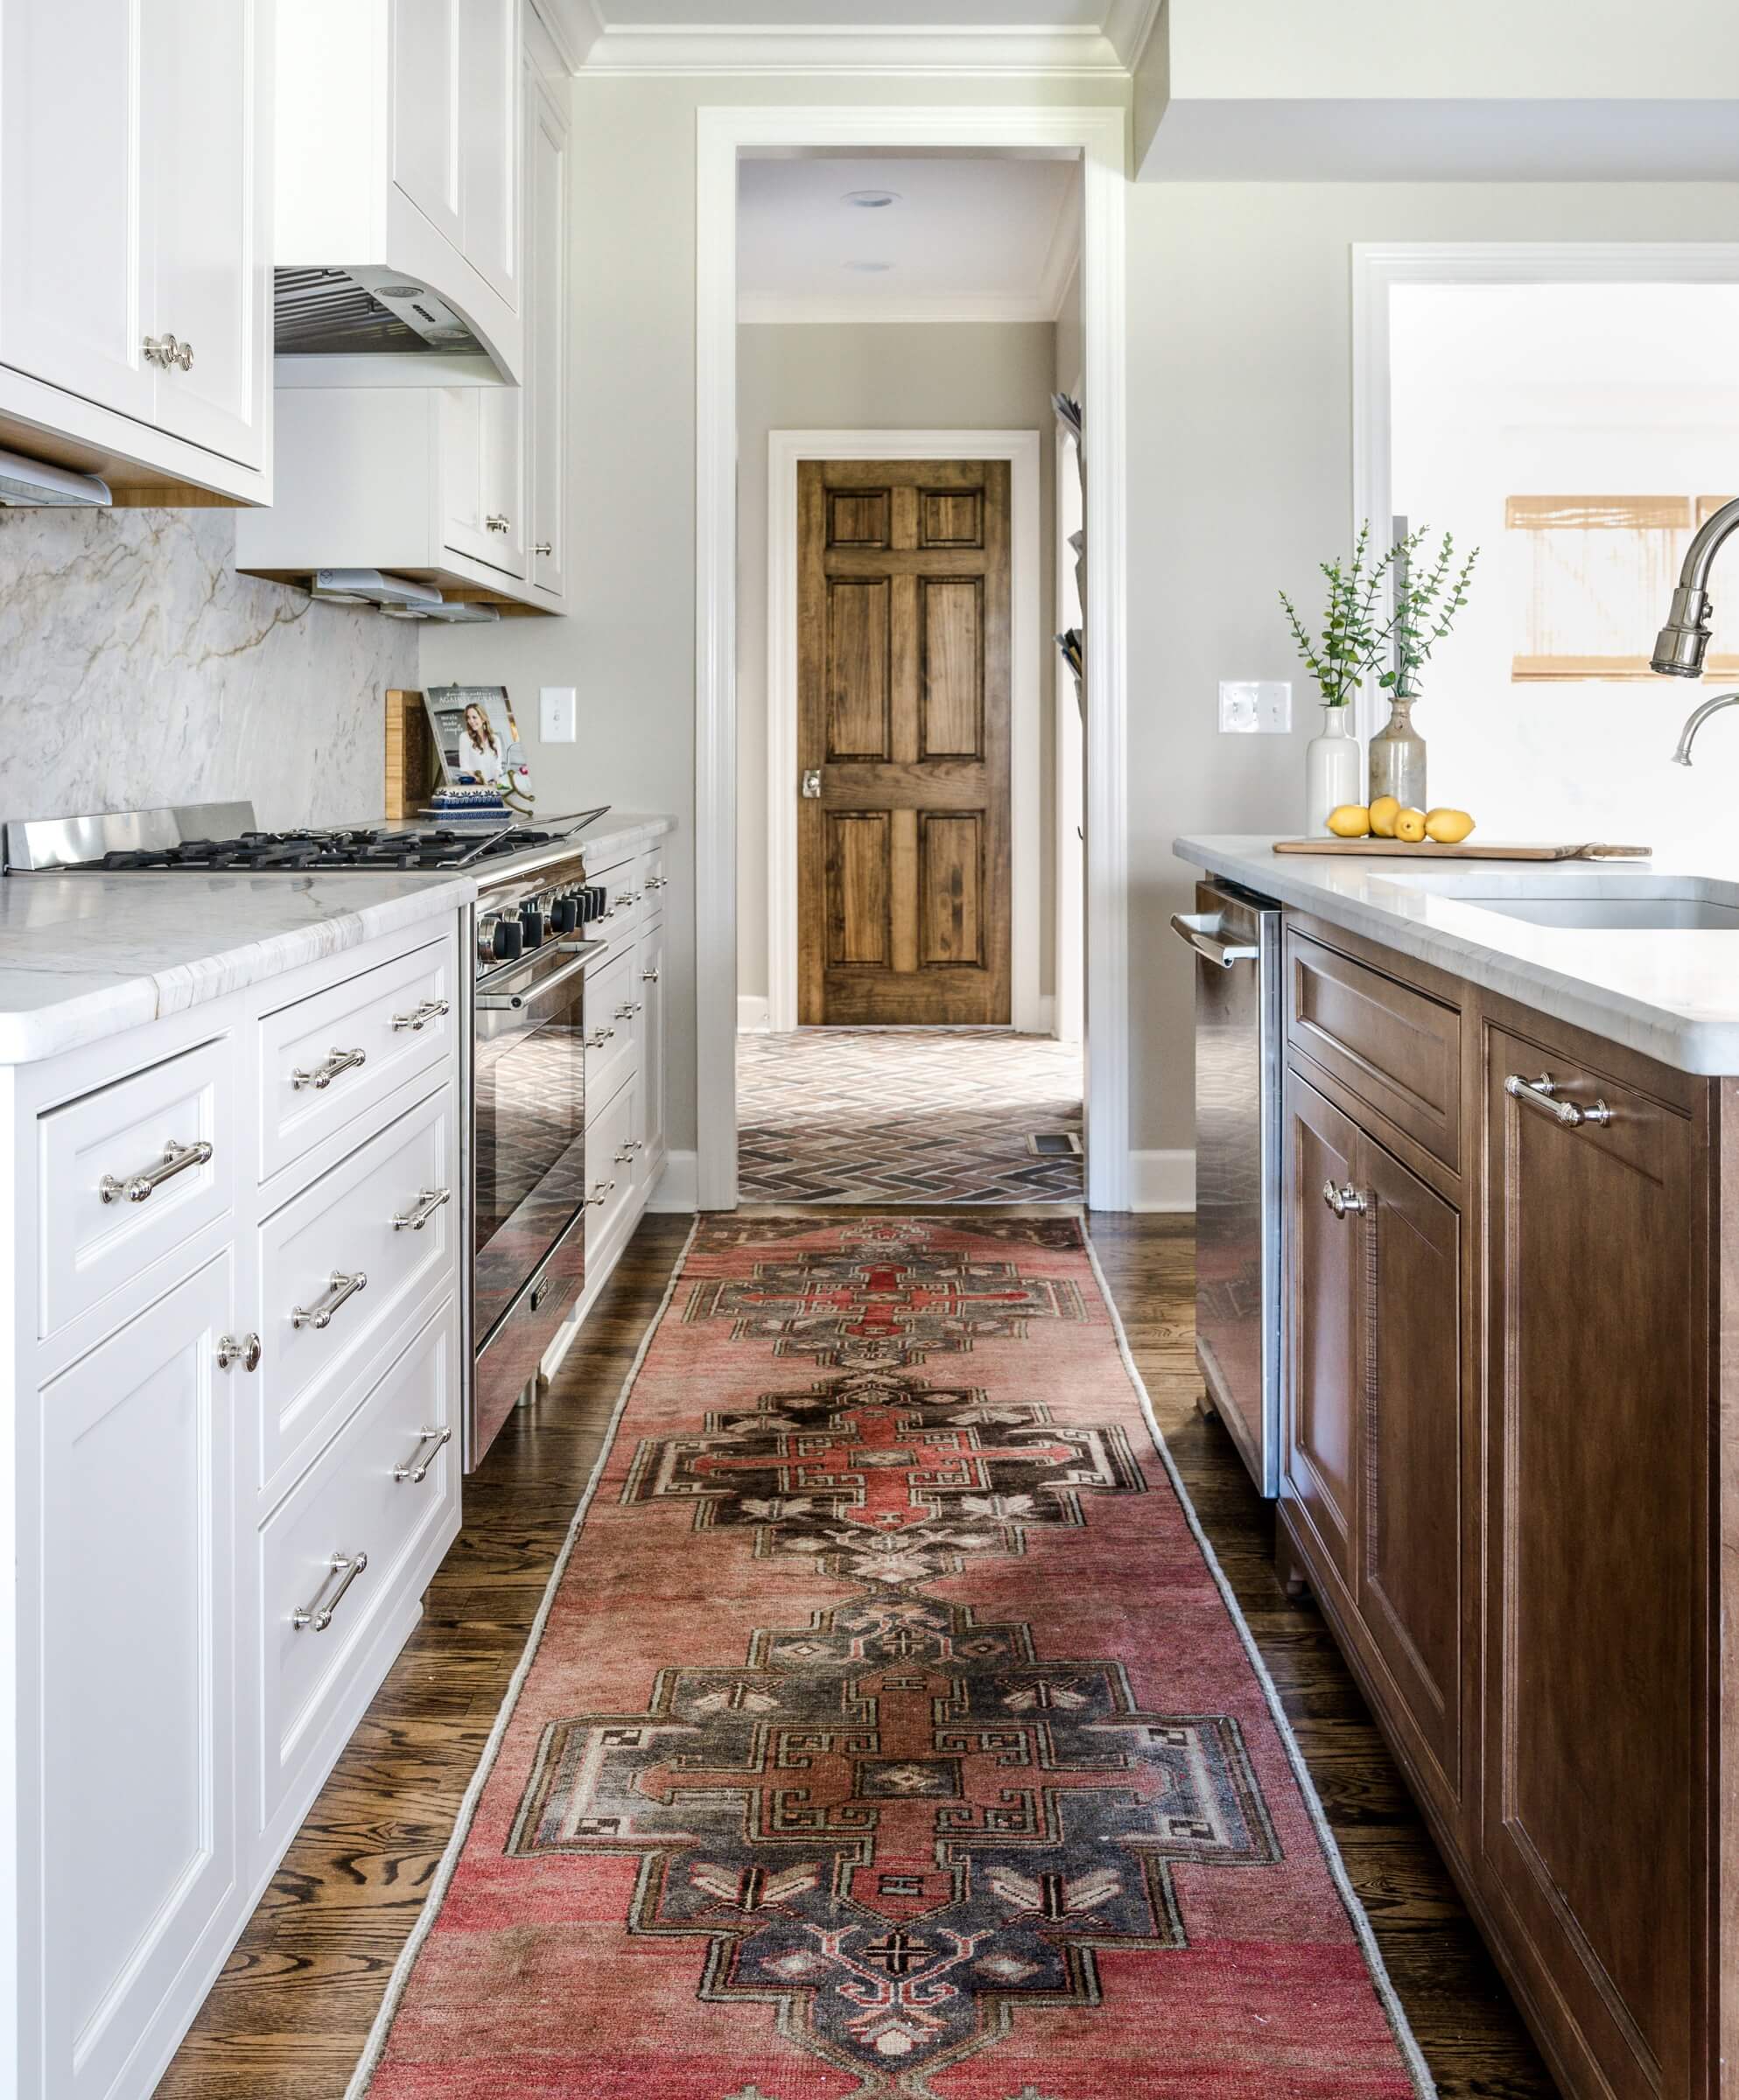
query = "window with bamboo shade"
x=1597 y=574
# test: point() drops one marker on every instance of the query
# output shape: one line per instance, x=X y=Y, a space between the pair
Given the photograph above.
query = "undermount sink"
x=1615 y=914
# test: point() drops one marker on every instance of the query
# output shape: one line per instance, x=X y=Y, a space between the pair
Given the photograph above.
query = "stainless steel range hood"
x=387 y=328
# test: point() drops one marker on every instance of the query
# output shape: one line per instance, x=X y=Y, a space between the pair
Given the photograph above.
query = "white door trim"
x=786 y=450
x=1378 y=267
x=1099 y=137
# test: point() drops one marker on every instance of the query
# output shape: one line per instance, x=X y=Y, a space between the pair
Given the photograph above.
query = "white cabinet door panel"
x=202 y=100
x=546 y=295
x=75 y=296
x=426 y=92
x=135 y=1462
x=488 y=141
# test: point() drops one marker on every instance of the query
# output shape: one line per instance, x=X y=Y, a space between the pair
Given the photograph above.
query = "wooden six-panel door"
x=904 y=742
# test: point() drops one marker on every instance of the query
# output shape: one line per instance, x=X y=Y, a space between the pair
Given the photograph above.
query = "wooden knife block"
x=412 y=769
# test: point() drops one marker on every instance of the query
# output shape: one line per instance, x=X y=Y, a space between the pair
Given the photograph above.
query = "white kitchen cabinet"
x=187 y=1447
x=546 y=430
x=134 y=240
x=480 y=434
x=130 y=1457
x=654 y=1075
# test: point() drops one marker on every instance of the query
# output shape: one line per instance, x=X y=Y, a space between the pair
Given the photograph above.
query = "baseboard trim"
x=1162 y=1180
x=755 y=1015
x=677 y=1186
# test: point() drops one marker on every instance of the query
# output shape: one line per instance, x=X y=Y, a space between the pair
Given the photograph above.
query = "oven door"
x=528 y=1173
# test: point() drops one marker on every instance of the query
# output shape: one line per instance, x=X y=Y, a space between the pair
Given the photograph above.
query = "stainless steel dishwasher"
x=1236 y=937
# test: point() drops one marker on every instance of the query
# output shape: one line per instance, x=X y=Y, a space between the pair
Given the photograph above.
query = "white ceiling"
x=891 y=35
x=965 y=240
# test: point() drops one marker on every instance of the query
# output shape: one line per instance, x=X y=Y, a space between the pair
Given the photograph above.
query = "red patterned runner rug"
x=888 y=1733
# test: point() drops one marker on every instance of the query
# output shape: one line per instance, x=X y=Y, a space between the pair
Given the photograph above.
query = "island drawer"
x=612 y=1044
x=330 y=1058
x=128 y=1174
x=1389 y=1044
x=389 y=1215
x=363 y=1498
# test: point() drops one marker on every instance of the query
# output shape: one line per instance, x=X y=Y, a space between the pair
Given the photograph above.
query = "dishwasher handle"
x=1202 y=931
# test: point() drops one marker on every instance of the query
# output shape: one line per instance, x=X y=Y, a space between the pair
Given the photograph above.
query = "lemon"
x=1448 y=826
x=1383 y=811
x=1351 y=820
x=1410 y=826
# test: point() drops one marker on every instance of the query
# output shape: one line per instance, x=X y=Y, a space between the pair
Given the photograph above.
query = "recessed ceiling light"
x=869 y=269
x=872 y=200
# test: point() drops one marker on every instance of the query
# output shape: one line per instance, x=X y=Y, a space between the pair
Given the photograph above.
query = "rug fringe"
x=1424 y=2084
x=370 y=2062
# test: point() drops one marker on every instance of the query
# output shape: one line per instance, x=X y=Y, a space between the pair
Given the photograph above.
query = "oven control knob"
x=564 y=915
x=509 y=939
x=531 y=926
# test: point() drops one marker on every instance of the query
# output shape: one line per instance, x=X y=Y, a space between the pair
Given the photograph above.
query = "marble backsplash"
x=137 y=668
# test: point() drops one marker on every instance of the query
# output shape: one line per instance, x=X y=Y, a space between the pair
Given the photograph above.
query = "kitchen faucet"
x=1683 y=642
x=1688 y=736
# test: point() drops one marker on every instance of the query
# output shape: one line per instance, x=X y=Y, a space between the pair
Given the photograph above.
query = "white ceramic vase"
x=1331 y=770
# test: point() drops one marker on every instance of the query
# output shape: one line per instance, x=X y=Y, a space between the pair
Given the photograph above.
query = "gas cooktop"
x=206 y=837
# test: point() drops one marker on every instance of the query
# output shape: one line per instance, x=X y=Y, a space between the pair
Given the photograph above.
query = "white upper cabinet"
x=398 y=154
x=546 y=384
x=135 y=215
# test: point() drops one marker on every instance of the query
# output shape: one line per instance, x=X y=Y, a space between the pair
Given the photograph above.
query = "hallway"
x=907 y=1115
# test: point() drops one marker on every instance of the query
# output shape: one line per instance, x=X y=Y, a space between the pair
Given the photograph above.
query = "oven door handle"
x=534 y=995
x=1202 y=931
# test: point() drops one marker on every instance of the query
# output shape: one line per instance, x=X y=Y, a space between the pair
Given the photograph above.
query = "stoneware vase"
x=1398 y=757
x=1331 y=770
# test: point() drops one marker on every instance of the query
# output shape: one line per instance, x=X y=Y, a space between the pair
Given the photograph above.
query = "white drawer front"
x=611 y=1045
x=358 y=1219
x=624 y=902
x=113 y=1199
x=361 y=1498
x=331 y=1058
x=610 y=1162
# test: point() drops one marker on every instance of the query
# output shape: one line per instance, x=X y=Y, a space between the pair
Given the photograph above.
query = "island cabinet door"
x=1596 y=1540
x=1413 y=1558
x=1323 y=1284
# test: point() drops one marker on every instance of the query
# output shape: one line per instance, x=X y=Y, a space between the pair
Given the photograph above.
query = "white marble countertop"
x=623 y=831
x=83 y=956
x=1671 y=993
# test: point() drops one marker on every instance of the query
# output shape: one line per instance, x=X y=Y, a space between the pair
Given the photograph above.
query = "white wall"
x=1566 y=389
x=137 y=669
x=875 y=376
x=1240 y=449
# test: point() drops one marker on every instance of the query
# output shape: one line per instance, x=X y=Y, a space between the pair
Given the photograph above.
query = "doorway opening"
x=902 y=804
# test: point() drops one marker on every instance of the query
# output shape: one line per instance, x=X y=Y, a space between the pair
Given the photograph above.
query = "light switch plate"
x=1254 y=707
x=557 y=714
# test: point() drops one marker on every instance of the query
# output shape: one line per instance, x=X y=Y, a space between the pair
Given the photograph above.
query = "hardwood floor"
x=288 y=2018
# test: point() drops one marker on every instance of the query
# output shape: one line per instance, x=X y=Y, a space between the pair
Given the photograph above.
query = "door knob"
x=812 y=784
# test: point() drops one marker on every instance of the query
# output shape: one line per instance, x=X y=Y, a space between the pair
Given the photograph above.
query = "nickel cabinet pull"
x=422 y=1210
x=1541 y=1094
x=542 y=546
x=496 y=523
x=320 y=1315
x=648 y=976
x=415 y=1469
x=316 y=1616
x=600 y=1193
x=238 y=1348
x=597 y=1038
x=1345 y=1201
x=628 y=1010
x=323 y=1074
x=134 y=1188
x=419 y=1017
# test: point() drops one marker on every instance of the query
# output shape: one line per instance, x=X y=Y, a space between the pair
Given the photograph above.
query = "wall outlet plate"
x=1255 y=707
x=557 y=714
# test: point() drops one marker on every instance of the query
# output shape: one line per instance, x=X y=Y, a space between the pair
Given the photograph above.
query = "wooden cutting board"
x=1378 y=849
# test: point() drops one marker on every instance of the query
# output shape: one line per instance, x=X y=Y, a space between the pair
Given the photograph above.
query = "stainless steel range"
x=525 y=1191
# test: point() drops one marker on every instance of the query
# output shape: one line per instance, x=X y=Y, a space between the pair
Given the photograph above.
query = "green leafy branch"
x=1347 y=649
x=1425 y=609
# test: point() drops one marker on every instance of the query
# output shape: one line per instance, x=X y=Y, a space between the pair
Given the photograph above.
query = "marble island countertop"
x=83 y=956
x=1670 y=992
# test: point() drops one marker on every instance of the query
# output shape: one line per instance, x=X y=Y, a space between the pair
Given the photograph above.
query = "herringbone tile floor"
x=905 y=1116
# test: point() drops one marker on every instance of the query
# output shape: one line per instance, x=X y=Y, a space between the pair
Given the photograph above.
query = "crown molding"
x=1128 y=24
x=918 y=52
x=574 y=27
